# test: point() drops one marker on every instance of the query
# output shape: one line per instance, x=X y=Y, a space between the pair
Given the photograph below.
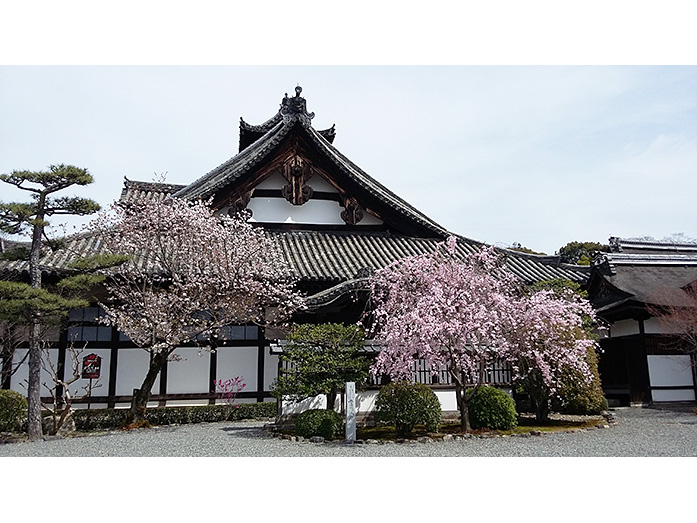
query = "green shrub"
x=105 y=419
x=492 y=408
x=318 y=422
x=406 y=405
x=578 y=396
x=13 y=410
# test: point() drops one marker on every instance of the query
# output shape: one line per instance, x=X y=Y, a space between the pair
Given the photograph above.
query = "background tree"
x=447 y=310
x=520 y=248
x=320 y=359
x=31 y=218
x=580 y=253
x=191 y=274
x=547 y=338
x=678 y=320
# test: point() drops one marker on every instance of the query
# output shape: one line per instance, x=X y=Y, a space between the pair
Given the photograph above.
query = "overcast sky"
x=537 y=155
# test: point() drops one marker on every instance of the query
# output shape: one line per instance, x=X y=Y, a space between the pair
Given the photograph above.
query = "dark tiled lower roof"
x=136 y=192
x=338 y=256
x=330 y=257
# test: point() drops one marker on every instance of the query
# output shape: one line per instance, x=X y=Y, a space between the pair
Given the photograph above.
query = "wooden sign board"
x=91 y=366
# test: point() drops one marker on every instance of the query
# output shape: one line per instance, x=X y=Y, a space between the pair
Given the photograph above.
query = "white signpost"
x=350 y=411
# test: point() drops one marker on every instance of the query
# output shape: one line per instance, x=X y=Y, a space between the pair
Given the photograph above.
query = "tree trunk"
x=34 y=425
x=462 y=407
x=331 y=398
x=539 y=398
x=542 y=411
x=142 y=395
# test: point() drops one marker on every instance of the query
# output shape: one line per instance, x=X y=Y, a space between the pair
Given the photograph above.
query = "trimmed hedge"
x=13 y=410
x=104 y=419
x=406 y=405
x=318 y=422
x=492 y=408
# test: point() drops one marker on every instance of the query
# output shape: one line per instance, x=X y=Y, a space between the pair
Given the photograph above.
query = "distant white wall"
x=624 y=328
x=655 y=326
x=671 y=371
x=270 y=369
x=365 y=402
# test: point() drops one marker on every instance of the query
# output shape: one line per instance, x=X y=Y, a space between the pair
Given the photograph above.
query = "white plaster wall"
x=671 y=370
x=447 y=399
x=296 y=407
x=191 y=373
x=322 y=212
x=365 y=401
x=624 y=328
x=673 y=395
x=18 y=381
x=238 y=361
x=655 y=326
x=277 y=181
x=132 y=368
x=270 y=369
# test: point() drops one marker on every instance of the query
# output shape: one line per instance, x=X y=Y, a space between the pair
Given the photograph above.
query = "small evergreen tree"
x=320 y=359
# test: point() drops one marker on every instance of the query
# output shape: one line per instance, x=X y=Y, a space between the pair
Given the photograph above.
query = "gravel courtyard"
x=638 y=432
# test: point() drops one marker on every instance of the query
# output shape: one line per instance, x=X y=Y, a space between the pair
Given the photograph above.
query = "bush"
x=318 y=422
x=13 y=410
x=406 y=405
x=492 y=408
x=576 y=395
x=105 y=419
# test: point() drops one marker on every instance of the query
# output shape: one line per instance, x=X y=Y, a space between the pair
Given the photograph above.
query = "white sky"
x=540 y=155
x=537 y=155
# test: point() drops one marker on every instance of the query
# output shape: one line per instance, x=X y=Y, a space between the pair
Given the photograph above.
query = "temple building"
x=335 y=225
x=641 y=363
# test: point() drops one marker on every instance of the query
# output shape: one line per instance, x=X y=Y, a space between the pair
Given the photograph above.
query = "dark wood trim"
x=213 y=374
x=62 y=350
x=113 y=363
x=261 y=349
x=163 y=384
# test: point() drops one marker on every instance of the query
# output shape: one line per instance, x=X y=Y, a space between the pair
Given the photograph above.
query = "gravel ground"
x=637 y=432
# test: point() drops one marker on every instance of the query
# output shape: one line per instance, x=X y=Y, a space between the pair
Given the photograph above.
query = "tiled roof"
x=628 y=246
x=344 y=256
x=656 y=279
x=134 y=192
x=329 y=256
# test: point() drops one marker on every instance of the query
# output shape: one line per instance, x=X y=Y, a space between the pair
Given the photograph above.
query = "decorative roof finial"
x=295 y=108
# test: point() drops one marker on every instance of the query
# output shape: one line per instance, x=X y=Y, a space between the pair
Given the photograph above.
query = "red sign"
x=91 y=366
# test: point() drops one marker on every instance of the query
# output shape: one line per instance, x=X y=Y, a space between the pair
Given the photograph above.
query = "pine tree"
x=32 y=219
